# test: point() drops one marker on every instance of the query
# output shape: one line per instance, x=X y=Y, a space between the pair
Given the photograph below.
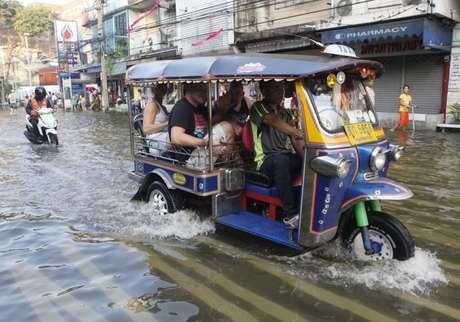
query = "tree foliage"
x=34 y=20
x=8 y=10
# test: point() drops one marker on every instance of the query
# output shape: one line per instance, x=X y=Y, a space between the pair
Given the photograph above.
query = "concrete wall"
x=422 y=121
x=197 y=19
x=113 y=5
x=147 y=34
x=375 y=11
x=447 y=8
x=277 y=14
x=454 y=77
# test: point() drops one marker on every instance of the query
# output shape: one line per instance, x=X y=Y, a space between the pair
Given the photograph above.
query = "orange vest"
x=36 y=105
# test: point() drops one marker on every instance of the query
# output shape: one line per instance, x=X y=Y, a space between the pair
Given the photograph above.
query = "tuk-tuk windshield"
x=337 y=104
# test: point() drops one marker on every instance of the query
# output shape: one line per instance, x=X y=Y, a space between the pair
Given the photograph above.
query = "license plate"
x=360 y=133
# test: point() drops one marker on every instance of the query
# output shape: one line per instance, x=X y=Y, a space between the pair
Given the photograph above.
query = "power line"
x=242 y=7
x=175 y=20
x=213 y=14
x=263 y=22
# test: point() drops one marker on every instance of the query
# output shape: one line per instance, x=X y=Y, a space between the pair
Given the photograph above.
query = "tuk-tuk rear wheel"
x=388 y=235
x=162 y=199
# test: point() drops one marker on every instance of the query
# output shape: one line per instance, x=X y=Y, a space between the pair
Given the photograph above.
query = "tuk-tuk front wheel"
x=162 y=199
x=390 y=239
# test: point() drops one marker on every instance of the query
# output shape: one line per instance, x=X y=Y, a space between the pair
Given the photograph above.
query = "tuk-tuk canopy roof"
x=243 y=67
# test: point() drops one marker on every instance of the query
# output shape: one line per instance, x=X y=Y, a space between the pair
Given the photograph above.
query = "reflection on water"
x=74 y=249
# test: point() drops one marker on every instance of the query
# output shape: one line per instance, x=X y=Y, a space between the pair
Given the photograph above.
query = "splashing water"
x=419 y=274
x=183 y=224
x=139 y=221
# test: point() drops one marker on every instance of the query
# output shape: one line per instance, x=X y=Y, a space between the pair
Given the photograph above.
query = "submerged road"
x=73 y=248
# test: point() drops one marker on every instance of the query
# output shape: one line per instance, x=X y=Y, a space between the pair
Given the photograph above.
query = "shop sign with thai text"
x=454 y=77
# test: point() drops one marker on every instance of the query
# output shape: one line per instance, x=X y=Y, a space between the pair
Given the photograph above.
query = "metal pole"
x=210 y=140
x=4 y=74
x=100 y=27
x=70 y=78
x=26 y=40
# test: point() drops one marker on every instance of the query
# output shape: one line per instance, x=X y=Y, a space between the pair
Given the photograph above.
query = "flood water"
x=73 y=248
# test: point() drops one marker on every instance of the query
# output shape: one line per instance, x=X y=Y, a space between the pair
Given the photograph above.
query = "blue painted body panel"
x=379 y=189
x=329 y=192
x=203 y=185
x=270 y=191
x=189 y=180
x=207 y=184
x=364 y=153
x=260 y=226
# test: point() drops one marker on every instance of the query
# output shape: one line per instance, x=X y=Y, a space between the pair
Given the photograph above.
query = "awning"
x=117 y=69
x=89 y=69
x=434 y=34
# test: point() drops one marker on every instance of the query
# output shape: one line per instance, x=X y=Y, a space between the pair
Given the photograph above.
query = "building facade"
x=412 y=38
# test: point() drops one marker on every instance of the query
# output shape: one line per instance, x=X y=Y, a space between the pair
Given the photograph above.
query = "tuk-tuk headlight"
x=331 y=166
x=378 y=159
x=396 y=151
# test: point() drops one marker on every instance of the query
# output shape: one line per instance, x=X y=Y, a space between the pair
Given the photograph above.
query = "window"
x=120 y=24
x=108 y=32
x=116 y=35
x=351 y=102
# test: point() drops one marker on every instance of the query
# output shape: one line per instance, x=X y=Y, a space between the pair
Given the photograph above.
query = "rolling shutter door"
x=424 y=76
x=388 y=86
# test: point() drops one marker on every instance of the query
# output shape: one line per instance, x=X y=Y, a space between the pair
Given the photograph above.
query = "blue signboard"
x=433 y=33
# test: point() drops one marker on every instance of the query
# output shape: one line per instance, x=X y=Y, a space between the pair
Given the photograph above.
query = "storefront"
x=414 y=52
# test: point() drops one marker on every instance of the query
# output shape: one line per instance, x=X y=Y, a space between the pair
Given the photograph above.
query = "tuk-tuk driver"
x=272 y=155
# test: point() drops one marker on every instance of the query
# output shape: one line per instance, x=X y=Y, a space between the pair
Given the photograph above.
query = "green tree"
x=34 y=20
x=8 y=10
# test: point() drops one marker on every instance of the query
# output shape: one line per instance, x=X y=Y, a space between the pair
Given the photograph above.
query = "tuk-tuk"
x=345 y=160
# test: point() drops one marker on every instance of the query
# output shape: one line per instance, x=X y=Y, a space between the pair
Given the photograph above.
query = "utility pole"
x=3 y=98
x=29 y=63
x=100 y=27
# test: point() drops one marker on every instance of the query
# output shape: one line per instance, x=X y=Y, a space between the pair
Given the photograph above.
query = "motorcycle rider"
x=37 y=102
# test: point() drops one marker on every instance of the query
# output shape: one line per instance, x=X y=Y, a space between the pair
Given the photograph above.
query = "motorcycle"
x=46 y=130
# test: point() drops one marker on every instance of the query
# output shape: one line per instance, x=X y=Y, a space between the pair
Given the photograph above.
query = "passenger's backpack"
x=247 y=138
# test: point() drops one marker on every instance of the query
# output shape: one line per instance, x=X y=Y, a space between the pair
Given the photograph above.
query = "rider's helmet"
x=40 y=93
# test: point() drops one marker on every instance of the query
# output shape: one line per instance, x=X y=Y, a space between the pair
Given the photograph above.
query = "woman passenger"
x=156 y=120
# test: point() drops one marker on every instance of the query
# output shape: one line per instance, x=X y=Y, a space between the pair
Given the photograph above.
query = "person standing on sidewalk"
x=405 y=102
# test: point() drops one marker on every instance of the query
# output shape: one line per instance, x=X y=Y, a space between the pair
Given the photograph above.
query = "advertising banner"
x=67 y=46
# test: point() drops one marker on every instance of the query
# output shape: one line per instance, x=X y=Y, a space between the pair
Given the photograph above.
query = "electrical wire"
x=259 y=23
x=240 y=9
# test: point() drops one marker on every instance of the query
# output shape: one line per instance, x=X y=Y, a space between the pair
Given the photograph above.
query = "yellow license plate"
x=360 y=133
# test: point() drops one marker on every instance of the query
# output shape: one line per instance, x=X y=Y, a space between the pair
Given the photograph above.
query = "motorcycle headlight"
x=343 y=168
x=331 y=166
x=396 y=152
x=378 y=159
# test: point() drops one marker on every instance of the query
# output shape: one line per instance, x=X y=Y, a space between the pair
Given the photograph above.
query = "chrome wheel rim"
x=159 y=203
x=380 y=242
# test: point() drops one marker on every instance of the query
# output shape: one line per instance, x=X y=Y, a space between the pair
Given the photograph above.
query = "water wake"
x=418 y=275
x=139 y=221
